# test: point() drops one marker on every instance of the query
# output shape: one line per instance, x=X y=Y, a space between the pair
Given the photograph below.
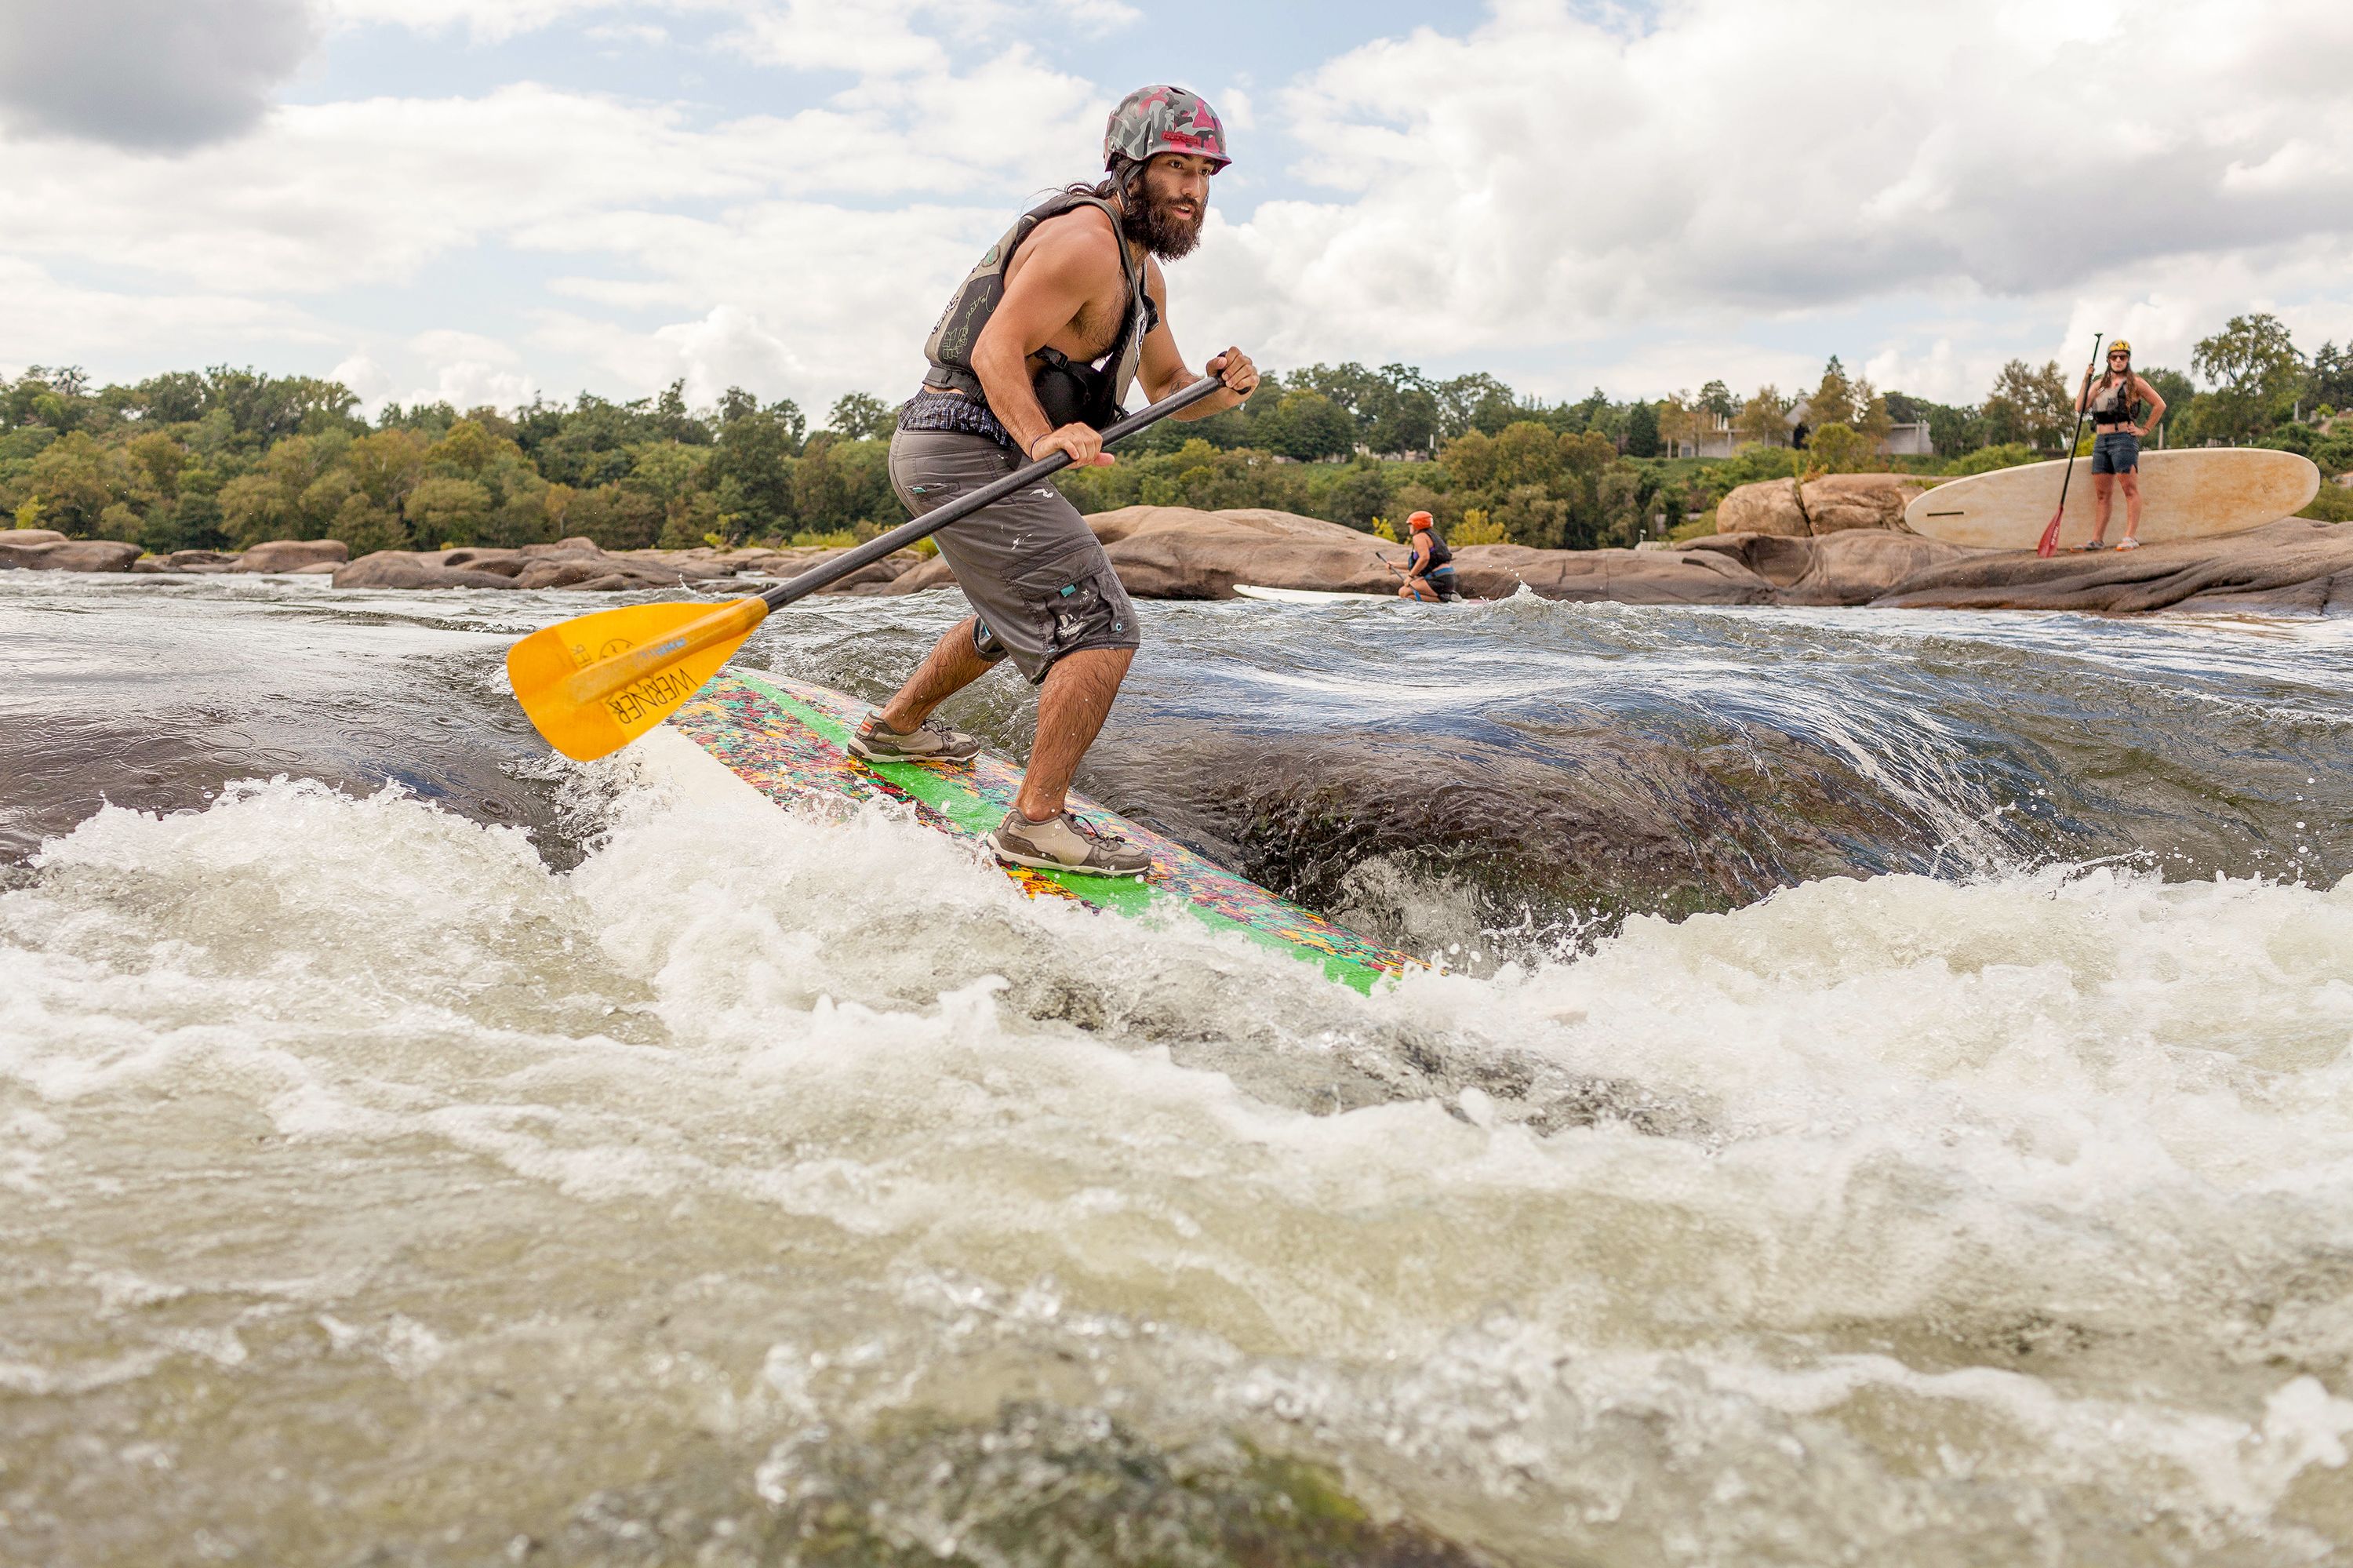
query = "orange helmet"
x=1418 y=521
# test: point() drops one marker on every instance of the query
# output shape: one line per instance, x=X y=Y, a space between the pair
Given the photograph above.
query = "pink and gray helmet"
x=1165 y=120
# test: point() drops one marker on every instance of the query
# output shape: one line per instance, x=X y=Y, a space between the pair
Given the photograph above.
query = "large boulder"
x=1834 y=504
x=293 y=555
x=2295 y=564
x=1768 y=506
x=67 y=555
x=1177 y=551
x=31 y=537
x=1838 y=503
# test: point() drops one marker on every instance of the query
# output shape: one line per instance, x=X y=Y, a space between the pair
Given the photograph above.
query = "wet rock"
x=578 y=564
x=409 y=569
x=1846 y=567
x=294 y=555
x=67 y=555
x=195 y=561
x=2293 y=564
x=1175 y=552
x=1619 y=576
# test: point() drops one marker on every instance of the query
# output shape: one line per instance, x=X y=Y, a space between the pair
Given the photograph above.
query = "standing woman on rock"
x=2116 y=442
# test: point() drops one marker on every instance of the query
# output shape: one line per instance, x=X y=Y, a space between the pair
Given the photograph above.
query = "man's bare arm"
x=1059 y=267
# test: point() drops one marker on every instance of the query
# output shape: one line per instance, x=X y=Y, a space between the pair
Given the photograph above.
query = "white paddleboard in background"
x=2187 y=495
x=1307 y=595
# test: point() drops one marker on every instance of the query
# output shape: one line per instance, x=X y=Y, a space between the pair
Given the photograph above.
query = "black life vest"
x=1440 y=557
x=1069 y=392
x=2116 y=406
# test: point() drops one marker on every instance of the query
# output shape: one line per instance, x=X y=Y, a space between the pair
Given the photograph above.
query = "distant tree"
x=2255 y=373
x=2179 y=393
x=1873 y=422
x=1476 y=402
x=1718 y=399
x=174 y=398
x=2027 y=405
x=1643 y=431
x=1837 y=448
x=862 y=417
x=1681 y=420
x=1361 y=494
x=2331 y=380
x=447 y=511
x=1314 y=428
x=1763 y=418
x=1833 y=401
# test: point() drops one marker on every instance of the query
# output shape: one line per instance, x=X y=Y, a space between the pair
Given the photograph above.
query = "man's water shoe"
x=931 y=741
x=1067 y=842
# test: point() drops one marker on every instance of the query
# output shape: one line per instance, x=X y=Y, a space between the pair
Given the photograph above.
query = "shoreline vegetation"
x=225 y=459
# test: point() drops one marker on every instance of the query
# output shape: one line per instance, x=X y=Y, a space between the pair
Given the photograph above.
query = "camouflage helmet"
x=1164 y=120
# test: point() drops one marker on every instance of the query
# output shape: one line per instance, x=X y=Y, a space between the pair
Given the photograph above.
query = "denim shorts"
x=2115 y=451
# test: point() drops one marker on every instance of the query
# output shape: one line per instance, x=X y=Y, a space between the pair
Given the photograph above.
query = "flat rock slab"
x=67 y=555
x=579 y=564
x=2293 y=564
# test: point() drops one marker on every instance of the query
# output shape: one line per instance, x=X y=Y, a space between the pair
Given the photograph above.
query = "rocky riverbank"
x=1834 y=541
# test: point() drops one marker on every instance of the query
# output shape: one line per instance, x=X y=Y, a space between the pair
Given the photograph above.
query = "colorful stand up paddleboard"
x=789 y=740
x=2192 y=493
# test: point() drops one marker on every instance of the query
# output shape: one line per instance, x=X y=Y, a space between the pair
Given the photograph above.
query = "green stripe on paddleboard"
x=976 y=816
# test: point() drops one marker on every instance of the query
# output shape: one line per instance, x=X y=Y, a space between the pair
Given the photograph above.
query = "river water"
x=1889 y=1102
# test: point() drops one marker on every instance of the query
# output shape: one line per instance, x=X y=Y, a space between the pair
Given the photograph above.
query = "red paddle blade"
x=2049 y=544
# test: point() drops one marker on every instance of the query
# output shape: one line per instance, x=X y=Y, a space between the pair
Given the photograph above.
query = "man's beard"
x=1159 y=229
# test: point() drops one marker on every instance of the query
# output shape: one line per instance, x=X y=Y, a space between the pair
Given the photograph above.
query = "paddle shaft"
x=2077 y=433
x=964 y=506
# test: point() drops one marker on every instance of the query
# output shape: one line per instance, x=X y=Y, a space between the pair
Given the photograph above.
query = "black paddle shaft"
x=931 y=523
x=2077 y=434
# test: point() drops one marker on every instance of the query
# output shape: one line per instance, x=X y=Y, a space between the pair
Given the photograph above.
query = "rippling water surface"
x=1891 y=1103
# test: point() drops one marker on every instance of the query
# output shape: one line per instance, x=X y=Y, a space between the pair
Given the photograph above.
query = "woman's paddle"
x=595 y=684
x=2049 y=546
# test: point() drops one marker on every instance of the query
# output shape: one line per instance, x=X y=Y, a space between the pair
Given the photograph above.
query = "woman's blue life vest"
x=1071 y=392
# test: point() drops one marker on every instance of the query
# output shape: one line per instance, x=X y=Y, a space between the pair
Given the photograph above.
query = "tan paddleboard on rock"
x=2187 y=495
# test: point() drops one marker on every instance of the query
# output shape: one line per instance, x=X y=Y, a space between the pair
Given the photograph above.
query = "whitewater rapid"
x=385 y=1182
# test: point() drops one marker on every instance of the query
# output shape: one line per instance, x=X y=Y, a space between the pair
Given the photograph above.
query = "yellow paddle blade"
x=594 y=684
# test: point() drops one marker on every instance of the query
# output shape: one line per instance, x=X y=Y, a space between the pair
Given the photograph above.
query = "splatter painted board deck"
x=789 y=740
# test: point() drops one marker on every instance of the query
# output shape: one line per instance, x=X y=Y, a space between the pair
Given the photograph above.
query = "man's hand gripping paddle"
x=595 y=684
x=2048 y=544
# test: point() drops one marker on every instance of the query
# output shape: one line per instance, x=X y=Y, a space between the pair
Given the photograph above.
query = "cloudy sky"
x=484 y=199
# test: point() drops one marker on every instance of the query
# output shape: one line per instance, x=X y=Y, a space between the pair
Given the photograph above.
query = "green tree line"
x=228 y=458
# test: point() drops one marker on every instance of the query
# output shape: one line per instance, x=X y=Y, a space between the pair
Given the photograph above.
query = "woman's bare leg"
x=2102 y=485
x=2131 y=482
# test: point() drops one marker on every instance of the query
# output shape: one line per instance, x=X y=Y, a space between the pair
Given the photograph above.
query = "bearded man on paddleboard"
x=1033 y=355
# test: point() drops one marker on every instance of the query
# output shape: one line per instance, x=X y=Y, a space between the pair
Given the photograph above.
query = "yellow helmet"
x=2116 y=343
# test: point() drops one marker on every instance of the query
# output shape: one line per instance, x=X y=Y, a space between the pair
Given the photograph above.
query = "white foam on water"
x=1946 y=1217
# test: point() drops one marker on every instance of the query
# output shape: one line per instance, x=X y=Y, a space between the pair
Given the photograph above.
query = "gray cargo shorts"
x=1034 y=571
